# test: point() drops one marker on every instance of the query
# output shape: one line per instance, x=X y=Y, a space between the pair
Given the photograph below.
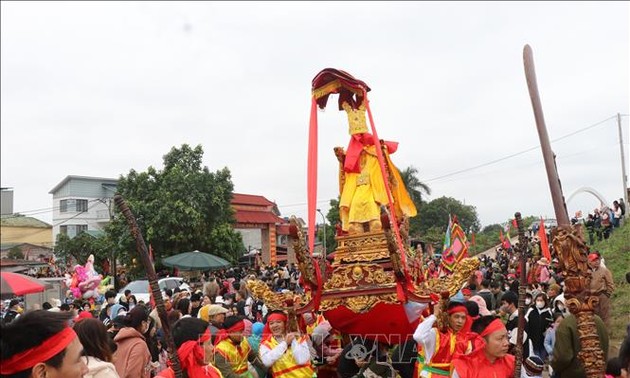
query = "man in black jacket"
x=13 y=313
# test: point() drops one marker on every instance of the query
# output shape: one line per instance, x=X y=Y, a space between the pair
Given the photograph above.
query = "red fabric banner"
x=544 y=244
x=311 y=180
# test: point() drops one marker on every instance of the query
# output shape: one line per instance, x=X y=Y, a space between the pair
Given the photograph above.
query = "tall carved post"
x=141 y=249
x=522 y=244
x=568 y=244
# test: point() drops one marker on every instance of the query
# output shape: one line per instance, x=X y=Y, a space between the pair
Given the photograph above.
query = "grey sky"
x=97 y=89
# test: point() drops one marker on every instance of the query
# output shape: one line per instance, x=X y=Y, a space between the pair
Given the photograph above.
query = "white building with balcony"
x=82 y=203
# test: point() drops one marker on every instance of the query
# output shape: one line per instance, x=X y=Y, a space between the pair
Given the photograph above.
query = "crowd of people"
x=603 y=221
x=220 y=330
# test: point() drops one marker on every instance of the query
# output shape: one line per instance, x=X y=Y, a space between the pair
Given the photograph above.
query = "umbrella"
x=19 y=284
x=195 y=260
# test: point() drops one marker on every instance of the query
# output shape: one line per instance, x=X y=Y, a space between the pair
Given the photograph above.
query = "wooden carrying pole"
x=141 y=248
x=568 y=244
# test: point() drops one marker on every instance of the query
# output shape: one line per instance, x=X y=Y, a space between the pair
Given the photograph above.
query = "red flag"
x=544 y=244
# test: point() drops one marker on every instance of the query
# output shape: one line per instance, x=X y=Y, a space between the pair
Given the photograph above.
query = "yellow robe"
x=363 y=193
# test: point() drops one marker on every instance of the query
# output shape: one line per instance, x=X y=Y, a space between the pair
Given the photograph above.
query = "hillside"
x=616 y=253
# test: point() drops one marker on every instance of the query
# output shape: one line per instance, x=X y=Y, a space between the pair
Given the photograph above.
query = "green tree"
x=15 y=253
x=414 y=186
x=332 y=218
x=183 y=207
x=80 y=247
x=435 y=214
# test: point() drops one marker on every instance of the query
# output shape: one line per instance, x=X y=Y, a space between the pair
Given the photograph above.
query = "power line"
x=518 y=153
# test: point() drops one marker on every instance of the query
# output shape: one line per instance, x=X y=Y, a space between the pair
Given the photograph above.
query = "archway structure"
x=586 y=189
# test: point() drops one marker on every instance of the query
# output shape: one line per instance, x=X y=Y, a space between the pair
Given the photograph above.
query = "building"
x=6 y=201
x=31 y=236
x=258 y=221
x=82 y=203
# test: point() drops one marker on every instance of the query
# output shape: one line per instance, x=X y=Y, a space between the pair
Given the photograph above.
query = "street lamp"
x=324 y=218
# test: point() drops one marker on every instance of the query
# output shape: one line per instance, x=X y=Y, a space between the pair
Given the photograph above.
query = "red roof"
x=243 y=216
x=283 y=229
x=250 y=199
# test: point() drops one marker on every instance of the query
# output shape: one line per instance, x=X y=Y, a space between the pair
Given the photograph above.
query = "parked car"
x=140 y=288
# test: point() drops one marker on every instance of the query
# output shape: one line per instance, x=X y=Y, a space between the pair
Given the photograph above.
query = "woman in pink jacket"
x=132 y=357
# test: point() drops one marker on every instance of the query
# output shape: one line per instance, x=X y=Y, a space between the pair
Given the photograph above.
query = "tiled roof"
x=283 y=229
x=69 y=177
x=6 y=246
x=20 y=221
x=243 y=216
x=250 y=199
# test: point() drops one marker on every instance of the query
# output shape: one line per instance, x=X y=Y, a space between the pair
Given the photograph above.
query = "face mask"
x=528 y=301
x=540 y=304
x=560 y=307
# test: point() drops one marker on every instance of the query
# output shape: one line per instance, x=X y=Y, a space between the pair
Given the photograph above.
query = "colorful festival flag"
x=458 y=248
x=447 y=236
x=544 y=244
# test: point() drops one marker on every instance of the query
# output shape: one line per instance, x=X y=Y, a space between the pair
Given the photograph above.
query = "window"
x=72 y=230
x=63 y=206
x=71 y=205
x=81 y=205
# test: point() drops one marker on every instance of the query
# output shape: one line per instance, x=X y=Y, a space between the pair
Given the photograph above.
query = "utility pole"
x=624 y=176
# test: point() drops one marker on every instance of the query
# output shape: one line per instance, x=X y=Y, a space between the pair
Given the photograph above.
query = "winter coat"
x=537 y=323
x=100 y=369
x=132 y=358
x=565 y=360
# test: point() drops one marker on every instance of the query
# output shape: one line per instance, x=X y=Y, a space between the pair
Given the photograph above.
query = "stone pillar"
x=265 y=248
x=272 y=243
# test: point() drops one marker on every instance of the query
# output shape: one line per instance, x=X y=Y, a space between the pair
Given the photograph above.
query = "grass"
x=616 y=253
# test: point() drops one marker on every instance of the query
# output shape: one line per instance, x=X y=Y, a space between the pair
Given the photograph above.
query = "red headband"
x=41 y=353
x=458 y=308
x=276 y=316
x=236 y=327
x=495 y=325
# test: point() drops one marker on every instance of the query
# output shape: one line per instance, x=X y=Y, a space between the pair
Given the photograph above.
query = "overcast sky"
x=97 y=89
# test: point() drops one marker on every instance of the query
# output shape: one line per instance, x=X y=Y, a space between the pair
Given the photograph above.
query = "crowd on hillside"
x=603 y=221
x=220 y=330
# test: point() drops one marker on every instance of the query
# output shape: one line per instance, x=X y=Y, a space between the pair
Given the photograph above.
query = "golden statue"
x=361 y=183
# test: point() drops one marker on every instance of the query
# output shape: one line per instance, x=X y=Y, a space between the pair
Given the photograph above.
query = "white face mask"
x=540 y=304
x=560 y=307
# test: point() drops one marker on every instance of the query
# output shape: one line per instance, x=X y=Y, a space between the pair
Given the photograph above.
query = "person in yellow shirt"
x=287 y=354
x=232 y=351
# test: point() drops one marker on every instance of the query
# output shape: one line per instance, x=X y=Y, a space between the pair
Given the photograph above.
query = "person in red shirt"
x=490 y=356
x=436 y=347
